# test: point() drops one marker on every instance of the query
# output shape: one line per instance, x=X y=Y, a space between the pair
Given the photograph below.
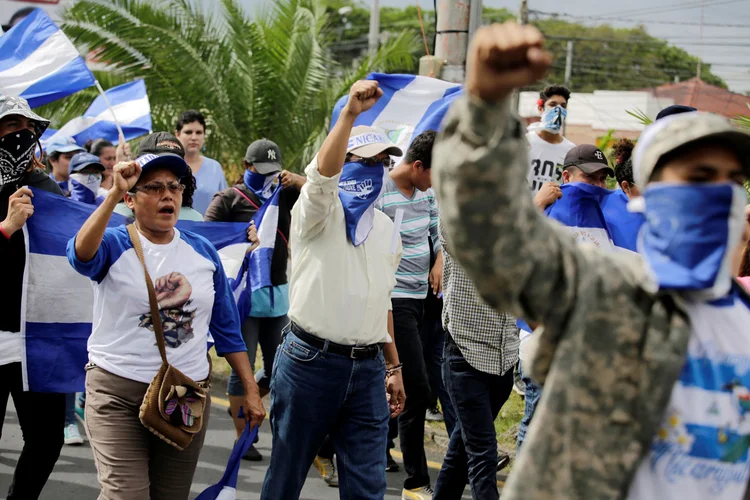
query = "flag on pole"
x=409 y=106
x=226 y=488
x=57 y=310
x=131 y=107
x=256 y=267
x=39 y=63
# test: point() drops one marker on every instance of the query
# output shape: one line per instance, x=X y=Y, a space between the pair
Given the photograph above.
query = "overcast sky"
x=727 y=48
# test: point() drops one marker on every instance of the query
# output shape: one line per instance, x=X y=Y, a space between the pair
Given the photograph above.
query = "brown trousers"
x=131 y=462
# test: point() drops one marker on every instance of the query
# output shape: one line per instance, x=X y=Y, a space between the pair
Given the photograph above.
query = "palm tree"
x=271 y=76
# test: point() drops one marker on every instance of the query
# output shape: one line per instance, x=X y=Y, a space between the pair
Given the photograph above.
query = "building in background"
x=705 y=97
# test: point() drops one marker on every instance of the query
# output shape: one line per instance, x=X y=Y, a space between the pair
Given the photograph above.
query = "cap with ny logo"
x=265 y=156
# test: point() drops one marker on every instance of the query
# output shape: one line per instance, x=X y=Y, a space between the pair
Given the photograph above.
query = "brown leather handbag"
x=174 y=404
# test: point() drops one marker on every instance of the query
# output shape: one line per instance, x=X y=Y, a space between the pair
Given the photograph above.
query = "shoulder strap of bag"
x=155 y=315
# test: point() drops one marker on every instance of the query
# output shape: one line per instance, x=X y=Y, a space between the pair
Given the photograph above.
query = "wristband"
x=2 y=231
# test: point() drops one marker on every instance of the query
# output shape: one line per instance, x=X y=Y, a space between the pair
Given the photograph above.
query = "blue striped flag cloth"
x=226 y=488
x=57 y=310
x=410 y=105
x=132 y=110
x=39 y=63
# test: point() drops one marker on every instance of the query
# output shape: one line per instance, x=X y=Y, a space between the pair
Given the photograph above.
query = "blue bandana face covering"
x=262 y=185
x=690 y=234
x=359 y=189
x=85 y=187
x=552 y=119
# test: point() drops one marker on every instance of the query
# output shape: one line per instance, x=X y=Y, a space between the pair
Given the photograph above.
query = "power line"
x=637 y=21
x=640 y=41
x=668 y=9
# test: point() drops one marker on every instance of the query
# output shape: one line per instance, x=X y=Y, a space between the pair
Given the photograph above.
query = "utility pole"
x=452 y=37
x=475 y=18
x=523 y=18
x=374 y=35
x=700 y=50
x=568 y=71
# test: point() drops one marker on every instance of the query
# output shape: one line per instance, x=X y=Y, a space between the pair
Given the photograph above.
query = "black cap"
x=674 y=110
x=588 y=158
x=17 y=17
x=265 y=156
x=160 y=143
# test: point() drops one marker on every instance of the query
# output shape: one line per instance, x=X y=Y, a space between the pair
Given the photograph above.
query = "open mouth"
x=167 y=210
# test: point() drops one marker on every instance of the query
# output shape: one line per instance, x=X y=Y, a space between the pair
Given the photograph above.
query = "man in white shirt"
x=338 y=350
x=548 y=147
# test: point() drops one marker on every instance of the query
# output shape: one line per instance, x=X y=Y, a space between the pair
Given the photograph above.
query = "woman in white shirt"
x=194 y=297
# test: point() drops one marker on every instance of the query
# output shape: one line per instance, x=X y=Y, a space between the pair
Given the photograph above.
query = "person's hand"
x=394 y=388
x=172 y=291
x=436 y=275
x=122 y=151
x=363 y=96
x=20 y=209
x=546 y=196
x=253 y=408
x=503 y=57
x=252 y=237
x=126 y=175
x=289 y=179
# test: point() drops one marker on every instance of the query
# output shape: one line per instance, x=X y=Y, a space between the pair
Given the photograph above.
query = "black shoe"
x=390 y=464
x=252 y=455
x=502 y=462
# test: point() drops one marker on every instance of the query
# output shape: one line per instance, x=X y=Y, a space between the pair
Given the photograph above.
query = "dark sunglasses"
x=371 y=162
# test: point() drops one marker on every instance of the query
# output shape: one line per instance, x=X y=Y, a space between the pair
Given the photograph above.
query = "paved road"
x=74 y=476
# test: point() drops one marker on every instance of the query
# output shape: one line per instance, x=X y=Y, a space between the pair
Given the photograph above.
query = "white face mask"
x=91 y=181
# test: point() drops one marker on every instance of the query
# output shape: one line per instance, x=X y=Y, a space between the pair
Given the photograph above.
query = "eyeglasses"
x=158 y=188
x=387 y=162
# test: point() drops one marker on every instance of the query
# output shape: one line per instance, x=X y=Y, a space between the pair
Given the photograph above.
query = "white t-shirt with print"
x=700 y=450
x=544 y=159
x=193 y=294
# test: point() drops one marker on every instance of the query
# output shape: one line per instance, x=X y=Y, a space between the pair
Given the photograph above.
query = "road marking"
x=396 y=454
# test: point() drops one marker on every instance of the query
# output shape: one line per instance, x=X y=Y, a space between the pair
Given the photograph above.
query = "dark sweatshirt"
x=13 y=252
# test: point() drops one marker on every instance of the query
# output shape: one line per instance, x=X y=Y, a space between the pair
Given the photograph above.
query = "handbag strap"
x=135 y=239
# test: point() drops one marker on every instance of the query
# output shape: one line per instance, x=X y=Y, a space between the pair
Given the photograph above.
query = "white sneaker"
x=327 y=471
x=72 y=436
x=423 y=493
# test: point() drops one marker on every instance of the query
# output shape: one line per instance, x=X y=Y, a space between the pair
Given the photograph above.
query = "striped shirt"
x=419 y=223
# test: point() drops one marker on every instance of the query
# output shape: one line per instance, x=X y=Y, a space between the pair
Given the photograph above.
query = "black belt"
x=350 y=351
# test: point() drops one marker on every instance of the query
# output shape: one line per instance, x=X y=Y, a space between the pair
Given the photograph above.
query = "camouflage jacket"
x=612 y=347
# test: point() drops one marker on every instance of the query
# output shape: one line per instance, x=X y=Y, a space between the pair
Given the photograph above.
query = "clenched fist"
x=503 y=57
x=20 y=208
x=362 y=96
x=126 y=175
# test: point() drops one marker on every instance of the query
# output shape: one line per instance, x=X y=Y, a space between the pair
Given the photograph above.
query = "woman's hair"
x=745 y=263
x=188 y=180
x=623 y=152
x=96 y=147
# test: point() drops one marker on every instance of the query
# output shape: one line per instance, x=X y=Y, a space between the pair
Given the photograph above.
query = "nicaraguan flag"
x=255 y=272
x=580 y=210
x=623 y=224
x=409 y=106
x=39 y=63
x=226 y=489
x=131 y=107
x=57 y=310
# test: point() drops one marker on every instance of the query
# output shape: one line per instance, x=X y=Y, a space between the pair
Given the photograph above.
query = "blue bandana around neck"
x=552 y=119
x=359 y=189
x=262 y=185
x=690 y=234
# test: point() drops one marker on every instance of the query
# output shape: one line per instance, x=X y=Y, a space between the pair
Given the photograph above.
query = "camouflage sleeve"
x=518 y=260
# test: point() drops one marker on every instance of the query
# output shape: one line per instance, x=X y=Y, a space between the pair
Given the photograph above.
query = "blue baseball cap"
x=172 y=162
x=83 y=160
x=62 y=145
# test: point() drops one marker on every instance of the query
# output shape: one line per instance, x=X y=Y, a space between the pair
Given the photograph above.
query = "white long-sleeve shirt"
x=337 y=291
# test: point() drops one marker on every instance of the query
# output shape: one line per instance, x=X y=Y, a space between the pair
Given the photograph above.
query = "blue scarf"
x=552 y=119
x=262 y=185
x=359 y=189
x=690 y=234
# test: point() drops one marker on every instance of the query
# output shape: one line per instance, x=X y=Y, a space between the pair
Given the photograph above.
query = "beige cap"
x=367 y=142
x=667 y=134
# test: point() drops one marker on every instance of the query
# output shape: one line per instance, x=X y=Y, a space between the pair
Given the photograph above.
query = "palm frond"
x=640 y=116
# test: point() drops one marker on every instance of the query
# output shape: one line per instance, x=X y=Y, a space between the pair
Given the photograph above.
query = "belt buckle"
x=356 y=349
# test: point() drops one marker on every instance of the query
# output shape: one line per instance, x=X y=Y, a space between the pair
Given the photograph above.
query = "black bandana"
x=16 y=151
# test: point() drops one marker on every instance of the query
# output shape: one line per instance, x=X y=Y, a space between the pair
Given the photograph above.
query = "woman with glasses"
x=193 y=297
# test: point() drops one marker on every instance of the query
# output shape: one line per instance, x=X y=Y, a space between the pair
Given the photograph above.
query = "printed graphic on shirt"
x=700 y=450
x=173 y=293
x=546 y=161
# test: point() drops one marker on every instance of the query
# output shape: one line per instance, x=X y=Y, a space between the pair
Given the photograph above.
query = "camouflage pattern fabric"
x=612 y=347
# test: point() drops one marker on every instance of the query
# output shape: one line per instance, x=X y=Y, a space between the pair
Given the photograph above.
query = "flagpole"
x=109 y=105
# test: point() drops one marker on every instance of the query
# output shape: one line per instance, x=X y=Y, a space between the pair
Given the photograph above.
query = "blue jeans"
x=433 y=342
x=532 y=397
x=472 y=452
x=70 y=408
x=315 y=393
x=267 y=333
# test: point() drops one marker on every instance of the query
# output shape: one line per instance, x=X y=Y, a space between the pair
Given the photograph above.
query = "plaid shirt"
x=488 y=340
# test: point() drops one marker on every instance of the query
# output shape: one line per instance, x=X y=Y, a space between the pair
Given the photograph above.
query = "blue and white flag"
x=57 y=310
x=132 y=109
x=255 y=272
x=409 y=106
x=226 y=488
x=39 y=63
x=623 y=224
